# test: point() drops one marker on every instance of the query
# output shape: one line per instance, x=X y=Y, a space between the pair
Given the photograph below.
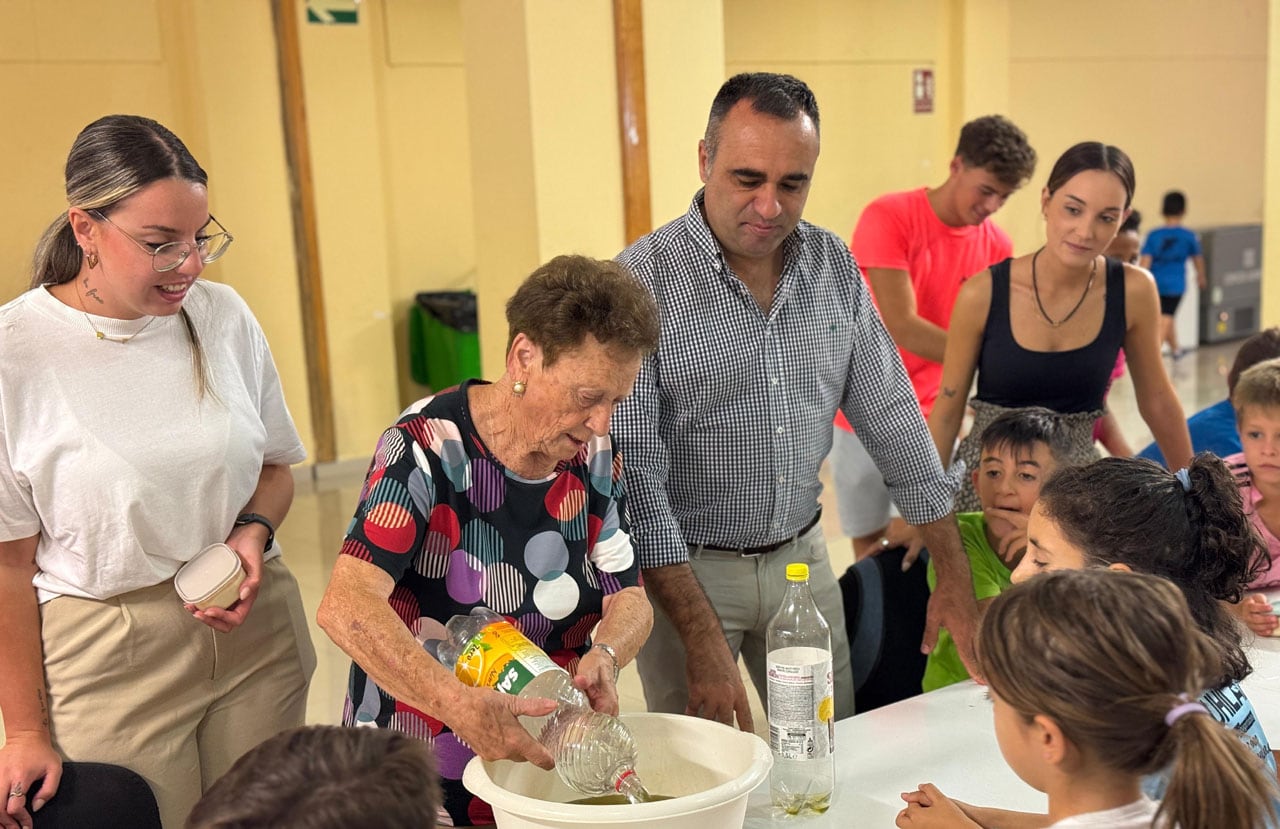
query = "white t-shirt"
x=1135 y=815
x=107 y=451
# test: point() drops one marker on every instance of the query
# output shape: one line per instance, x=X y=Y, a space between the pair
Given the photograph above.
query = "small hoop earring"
x=518 y=387
x=92 y=259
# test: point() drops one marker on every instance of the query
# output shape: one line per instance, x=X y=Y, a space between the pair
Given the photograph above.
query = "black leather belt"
x=763 y=548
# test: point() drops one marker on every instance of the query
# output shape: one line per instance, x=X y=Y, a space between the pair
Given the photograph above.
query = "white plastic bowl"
x=707 y=768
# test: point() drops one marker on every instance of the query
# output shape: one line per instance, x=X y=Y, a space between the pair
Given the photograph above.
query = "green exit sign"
x=333 y=12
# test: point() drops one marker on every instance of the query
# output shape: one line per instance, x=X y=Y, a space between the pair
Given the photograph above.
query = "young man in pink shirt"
x=915 y=248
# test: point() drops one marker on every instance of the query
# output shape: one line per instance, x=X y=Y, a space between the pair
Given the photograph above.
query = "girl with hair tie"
x=1084 y=710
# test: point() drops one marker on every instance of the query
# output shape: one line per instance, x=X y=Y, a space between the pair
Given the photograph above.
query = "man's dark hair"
x=326 y=777
x=1174 y=204
x=995 y=144
x=782 y=96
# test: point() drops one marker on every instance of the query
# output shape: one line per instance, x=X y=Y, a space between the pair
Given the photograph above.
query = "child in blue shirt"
x=1165 y=254
x=1020 y=450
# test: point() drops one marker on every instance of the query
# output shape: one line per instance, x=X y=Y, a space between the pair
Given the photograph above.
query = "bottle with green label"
x=594 y=752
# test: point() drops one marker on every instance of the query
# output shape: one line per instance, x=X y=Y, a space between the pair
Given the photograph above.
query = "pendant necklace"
x=100 y=334
x=1035 y=289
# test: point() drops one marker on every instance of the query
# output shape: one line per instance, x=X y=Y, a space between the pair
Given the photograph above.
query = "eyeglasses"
x=167 y=256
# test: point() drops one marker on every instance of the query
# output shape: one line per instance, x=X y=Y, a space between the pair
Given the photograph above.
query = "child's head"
x=326 y=777
x=1174 y=205
x=1129 y=513
x=1265 y=345
x=1127 y=246
x=1020 y=450
x=1099 y=662
x=1256 y=399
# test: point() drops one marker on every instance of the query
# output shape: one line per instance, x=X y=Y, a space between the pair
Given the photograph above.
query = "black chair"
x=98 y=796
x=884 y=611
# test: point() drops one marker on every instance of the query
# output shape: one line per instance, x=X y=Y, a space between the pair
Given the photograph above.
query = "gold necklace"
x=98 y=331
x=1035 y=289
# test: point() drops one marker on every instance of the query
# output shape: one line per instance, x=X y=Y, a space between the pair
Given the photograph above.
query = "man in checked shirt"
x=767 y=329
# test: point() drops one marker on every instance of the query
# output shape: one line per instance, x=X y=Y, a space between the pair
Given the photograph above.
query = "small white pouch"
x=212 y=578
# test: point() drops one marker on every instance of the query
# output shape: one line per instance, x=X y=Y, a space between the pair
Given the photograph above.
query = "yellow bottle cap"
x=797 y=572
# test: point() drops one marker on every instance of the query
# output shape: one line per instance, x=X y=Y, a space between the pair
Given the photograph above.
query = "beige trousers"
x=138 y=682
x=746 y=592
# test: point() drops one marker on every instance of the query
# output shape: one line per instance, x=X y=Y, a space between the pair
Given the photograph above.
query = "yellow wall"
x=205 y=69
x=858 y=57
x=1179 y=85
x=396 y=125
x=684 y=65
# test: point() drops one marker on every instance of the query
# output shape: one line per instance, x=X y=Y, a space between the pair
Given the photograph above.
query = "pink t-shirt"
x=1270 y=577
x=900 y=231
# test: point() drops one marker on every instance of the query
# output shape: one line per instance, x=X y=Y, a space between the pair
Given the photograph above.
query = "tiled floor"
x=314 y=529
x=315 y=526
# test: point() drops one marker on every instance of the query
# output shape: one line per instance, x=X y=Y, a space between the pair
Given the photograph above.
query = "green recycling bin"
x=444 y=346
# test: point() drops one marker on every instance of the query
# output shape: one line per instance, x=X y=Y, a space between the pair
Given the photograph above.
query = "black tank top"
x=1064 y=381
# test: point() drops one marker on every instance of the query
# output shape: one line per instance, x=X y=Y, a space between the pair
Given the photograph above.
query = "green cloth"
x=991 y=577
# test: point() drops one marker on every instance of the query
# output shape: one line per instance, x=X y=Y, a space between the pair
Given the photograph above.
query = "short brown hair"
x=326 y=777
x=1258 y=386
x=563 y=301
x=1265 y=345
x=995 y=144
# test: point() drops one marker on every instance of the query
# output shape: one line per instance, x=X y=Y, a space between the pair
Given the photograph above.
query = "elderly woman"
x=507 y=495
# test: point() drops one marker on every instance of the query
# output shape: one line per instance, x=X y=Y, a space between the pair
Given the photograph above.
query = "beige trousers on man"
x=746 y=592
x=136 y=681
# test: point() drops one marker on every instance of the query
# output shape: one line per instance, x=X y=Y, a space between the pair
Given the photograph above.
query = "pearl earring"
x=517 y=388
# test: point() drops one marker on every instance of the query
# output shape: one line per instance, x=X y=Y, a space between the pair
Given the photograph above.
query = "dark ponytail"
x=1136 y=513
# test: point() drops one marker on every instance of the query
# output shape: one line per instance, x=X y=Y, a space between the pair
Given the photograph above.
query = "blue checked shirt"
x=731 y=417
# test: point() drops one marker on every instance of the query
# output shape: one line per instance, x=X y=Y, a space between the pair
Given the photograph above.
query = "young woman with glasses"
x=141 y=420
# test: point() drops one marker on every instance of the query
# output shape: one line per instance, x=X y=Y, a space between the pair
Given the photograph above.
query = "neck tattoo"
x=1035 y=289
x=97 y=331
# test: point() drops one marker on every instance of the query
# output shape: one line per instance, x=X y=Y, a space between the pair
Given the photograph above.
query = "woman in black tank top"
x=1044 y=329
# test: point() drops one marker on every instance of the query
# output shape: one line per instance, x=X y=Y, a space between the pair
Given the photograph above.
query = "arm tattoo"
x=44 y=709
x=946 y=392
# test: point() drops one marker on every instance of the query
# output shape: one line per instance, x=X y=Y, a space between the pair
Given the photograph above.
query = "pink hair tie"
x=1182 y=709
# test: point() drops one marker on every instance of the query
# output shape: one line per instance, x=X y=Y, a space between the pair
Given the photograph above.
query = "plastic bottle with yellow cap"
x=594 y=752
x=801 y=704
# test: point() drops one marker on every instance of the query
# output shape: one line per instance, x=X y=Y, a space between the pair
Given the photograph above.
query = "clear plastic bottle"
x=801 y=703
x=594 y=752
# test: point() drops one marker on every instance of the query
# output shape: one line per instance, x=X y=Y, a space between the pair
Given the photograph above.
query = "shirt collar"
x=700 y=233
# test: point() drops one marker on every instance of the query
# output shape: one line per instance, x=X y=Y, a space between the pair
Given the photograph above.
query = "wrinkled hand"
x=957 y=611
x=249 y=549
x=1013 y=543
x=716 y=691
x=898 y=534
x=25 y=758
x=1255 y=611
x=927 y=807
x=485 y=721
x=595 y=679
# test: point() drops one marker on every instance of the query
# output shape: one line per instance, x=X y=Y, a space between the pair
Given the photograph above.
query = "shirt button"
x=773 y=380
x=782 y=479
x=781 y=430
